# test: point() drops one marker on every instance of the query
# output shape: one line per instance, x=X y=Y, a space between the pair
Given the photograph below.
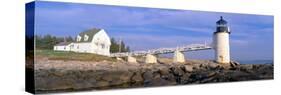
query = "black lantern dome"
x=221 y=21
x=222 y=26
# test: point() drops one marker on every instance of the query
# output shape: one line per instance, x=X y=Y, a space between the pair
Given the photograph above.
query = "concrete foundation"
x=178 y=57
x=131 y=59
x=150 y=58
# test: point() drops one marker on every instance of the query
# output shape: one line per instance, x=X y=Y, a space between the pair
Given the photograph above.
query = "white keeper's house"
x=91 y=41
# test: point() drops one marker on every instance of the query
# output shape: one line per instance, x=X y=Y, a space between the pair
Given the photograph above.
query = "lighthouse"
x=221 y=42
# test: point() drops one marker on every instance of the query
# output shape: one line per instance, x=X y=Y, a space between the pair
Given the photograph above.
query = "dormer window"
x=86 y=37
x=78 y=38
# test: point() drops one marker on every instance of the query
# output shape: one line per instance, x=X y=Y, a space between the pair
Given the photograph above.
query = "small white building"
x=92 y=41
x=63 y=46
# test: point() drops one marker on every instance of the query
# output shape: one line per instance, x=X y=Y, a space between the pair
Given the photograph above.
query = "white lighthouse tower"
x=221 y=42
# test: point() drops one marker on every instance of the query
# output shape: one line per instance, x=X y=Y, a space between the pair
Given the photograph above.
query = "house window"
x=102 y=46
x=78 y=38
x=86 y=37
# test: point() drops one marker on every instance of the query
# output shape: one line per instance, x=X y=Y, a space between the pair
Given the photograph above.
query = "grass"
x=67 y=55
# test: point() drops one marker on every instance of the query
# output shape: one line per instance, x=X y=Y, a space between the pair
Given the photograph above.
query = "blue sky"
x=148 y=28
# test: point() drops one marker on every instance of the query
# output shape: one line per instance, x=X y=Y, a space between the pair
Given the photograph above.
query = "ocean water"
x=255 y=61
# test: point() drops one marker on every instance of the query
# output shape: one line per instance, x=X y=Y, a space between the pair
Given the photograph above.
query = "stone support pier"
x=131 y=59
x=178 y=57
x=150 y=58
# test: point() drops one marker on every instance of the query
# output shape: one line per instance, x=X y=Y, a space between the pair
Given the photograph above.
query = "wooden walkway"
x=186 y=48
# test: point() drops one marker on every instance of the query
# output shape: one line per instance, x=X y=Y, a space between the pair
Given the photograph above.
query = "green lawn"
x=63 y=55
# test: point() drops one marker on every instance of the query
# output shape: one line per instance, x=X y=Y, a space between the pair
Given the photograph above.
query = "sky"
x=251 y=35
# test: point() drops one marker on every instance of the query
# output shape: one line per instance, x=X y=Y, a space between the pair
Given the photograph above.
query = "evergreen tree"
x=46 y=42
x=115 y=46
x=128 y=48
x=69 y=39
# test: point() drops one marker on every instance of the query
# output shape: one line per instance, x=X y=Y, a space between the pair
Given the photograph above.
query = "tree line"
x=48 y=42
x=118 y=46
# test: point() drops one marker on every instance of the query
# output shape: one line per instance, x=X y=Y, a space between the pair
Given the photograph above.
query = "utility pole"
x=120 y=42
x=64 y=39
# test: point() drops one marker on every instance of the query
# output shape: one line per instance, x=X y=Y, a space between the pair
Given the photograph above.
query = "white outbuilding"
x=91 y=41
x=63 y=46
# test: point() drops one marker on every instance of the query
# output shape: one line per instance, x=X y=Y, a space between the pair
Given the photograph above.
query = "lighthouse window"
x=221 y=25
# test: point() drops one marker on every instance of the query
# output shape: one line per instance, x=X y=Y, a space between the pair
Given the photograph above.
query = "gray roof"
x=90 y=33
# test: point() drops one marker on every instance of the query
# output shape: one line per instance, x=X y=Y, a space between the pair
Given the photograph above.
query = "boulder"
x=164 y=71
x=246 y=67
x=161 y=82
x=102 y=84
x=126 y=76
x=234 y=63
x=148 y=75
x=177 y=71
x=188 y=68
x=213 y=65
x=137 y=77
x=185 y=78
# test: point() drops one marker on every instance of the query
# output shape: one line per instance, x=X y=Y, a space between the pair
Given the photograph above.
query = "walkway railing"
x=186 y=48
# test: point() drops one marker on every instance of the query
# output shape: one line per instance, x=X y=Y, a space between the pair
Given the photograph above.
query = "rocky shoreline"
x=56 y=76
